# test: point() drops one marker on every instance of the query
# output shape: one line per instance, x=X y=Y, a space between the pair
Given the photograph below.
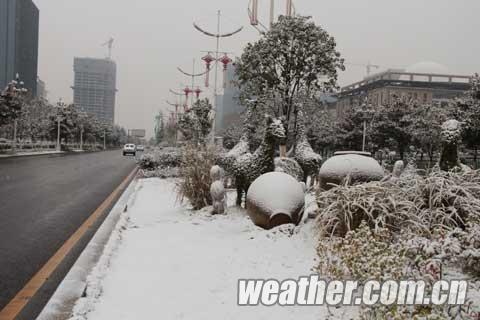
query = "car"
x=140 y=148
x=129 y=148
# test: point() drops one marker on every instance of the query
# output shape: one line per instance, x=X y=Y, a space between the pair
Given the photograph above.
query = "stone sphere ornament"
x=357 y=167
x=275 y=198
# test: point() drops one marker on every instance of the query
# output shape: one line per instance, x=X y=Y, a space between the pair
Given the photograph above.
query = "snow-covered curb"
x=97 y=252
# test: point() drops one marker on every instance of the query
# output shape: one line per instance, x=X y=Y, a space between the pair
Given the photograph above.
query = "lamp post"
x=367 y=112
x=60 y=107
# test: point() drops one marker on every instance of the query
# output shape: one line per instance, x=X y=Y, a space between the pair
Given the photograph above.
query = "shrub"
x=421 y=204
x=194 y=171
x=147 y=162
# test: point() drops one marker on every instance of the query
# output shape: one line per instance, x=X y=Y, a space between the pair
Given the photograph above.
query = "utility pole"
x=60 y=106
x=81 y=137
x=14 y=146
x=217 y=35
x=104 y=140
x=58 y=133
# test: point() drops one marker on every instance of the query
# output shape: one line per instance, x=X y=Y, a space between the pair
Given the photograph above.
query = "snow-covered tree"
x=349 y=129
x=195 y=124
x=12 y=99
x=159 y=128
x=426 y=128
x=468 y=111
x=392 y=125
x=294 y=56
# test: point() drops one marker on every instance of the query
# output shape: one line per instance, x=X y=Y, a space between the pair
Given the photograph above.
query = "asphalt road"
x=43 y=201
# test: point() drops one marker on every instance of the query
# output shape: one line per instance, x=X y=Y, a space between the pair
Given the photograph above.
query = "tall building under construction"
x=94 y=87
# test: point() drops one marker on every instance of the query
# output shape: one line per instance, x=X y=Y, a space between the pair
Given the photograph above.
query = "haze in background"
x=153 y=37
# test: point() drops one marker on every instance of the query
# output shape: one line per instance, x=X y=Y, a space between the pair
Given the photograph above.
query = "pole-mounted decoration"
x=225 y=60
x=208 y=62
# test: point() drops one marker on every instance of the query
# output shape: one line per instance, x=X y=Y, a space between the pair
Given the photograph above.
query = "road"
x=43 y=201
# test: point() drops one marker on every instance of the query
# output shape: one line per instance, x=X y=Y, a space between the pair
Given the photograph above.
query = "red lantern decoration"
x=208 y=61
x=187 y=91
x=197 y=92
x=225 y=60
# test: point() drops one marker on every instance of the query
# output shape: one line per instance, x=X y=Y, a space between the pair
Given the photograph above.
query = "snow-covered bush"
x=169 y=157
x=147 y=162
x=366 y=253
x=289 y=166
x=421 y=204
x=362 y=254
x=194 y=171
x=160 y=163
x=412 y=227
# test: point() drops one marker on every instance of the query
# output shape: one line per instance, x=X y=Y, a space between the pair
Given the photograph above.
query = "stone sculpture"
x=217 y=190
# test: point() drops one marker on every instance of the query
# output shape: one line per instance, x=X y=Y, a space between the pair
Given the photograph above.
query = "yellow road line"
x=16 y=305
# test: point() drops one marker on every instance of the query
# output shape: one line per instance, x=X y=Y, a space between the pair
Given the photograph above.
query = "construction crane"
x=109 y=44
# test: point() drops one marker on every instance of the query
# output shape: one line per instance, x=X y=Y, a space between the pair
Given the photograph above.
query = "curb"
x=72 y=287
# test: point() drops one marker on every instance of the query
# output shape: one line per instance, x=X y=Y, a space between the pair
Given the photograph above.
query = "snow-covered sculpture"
x=309 y=160
x=250 y=166
x=451 y=135
x=275 y=198
x=398 y=168
x=289 y=166
x=358 y=168
x=226 y=160
x=217 y=190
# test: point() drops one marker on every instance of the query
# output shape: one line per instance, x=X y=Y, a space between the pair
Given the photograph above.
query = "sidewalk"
x=32 y=153
x=172 y=263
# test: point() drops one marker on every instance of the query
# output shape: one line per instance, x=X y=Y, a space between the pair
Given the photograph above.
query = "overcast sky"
x=153 y=37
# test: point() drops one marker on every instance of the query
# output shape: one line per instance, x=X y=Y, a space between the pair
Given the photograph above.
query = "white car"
x=129 y=148
x=140 y=148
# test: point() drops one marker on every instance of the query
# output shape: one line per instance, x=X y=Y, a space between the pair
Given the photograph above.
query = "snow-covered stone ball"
x=275 y=198
x=360 y=168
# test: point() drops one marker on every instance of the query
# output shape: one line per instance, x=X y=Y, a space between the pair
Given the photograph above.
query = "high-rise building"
x=41 y=89
x=19 y=20
x=228 y=108
x=94 y=87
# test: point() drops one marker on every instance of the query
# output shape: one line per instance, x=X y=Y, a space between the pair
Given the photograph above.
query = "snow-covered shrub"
x=362 y=254
x=194 y=171
x=147 y=162
x=160 y=163
x=289 y=166
x=365 y=254
x=412 y=227
x=421 y=204
x=169 y=157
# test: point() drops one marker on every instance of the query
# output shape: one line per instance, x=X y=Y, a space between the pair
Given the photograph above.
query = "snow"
x=359 y=168
x=172 y=263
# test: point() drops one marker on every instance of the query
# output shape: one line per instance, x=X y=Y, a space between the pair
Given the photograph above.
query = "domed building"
x=427 y=82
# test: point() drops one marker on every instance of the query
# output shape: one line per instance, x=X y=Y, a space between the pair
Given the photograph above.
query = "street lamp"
x=61 y=106
x=367 y=112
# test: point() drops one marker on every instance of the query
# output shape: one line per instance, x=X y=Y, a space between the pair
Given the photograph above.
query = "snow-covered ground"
x=167 y=262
